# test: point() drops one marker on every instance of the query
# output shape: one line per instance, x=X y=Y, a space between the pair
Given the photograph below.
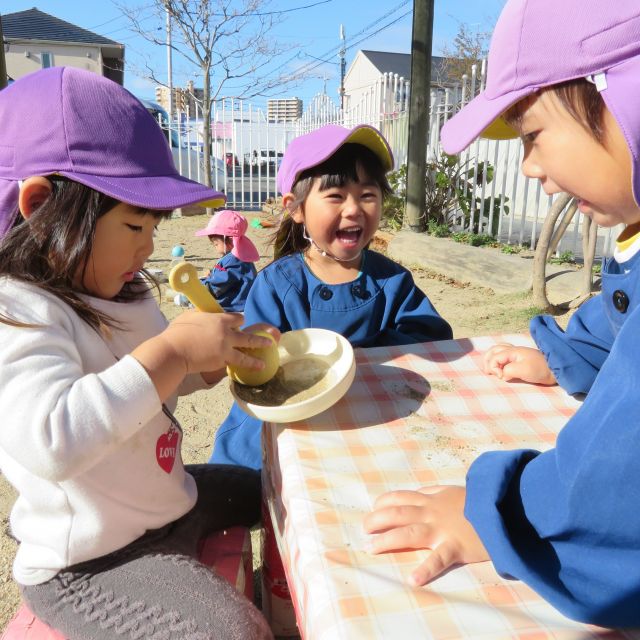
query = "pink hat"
x=231 y=224
x=539 y=43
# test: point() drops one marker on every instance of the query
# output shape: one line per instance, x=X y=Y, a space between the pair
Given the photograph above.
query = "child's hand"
x=430 y=518
x=210 y=341
x=197 y=342
x=211 y=377
x=508 y=362
x=267 y=328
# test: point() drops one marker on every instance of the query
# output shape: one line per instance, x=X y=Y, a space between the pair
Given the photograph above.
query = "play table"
x=415 y=415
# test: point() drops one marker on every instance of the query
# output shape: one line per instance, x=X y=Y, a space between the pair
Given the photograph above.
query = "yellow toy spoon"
x=184 y=279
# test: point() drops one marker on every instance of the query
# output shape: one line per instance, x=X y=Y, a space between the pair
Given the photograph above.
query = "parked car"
x=230 y=160
x=186 y=158
x=263 y=158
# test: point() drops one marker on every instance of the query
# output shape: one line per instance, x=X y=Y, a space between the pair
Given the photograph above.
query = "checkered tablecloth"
x=415 y=415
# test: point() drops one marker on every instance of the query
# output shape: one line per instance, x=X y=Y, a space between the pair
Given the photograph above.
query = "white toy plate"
x=317 y=368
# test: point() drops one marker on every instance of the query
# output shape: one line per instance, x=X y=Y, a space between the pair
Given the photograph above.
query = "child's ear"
x=296 y=214
x=33 y=192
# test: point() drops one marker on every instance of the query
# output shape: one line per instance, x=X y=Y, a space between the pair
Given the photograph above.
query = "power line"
x=310 y=66
x=369 y=35
x=128 y=27
x=270 y=13
x=381 y=18
x=103 y=23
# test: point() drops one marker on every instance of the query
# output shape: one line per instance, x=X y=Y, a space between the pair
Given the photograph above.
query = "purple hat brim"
x=476 y=117
x=151 y=192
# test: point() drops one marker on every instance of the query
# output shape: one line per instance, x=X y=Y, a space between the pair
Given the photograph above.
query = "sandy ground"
x=471 y=310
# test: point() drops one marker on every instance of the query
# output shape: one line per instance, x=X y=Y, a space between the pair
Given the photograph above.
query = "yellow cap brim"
x=212 y=204
x=499 y=129
x=370 y=138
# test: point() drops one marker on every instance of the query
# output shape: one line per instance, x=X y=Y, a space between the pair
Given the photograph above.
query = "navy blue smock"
x=381 y=307
x=230 y=282
x=567 y=521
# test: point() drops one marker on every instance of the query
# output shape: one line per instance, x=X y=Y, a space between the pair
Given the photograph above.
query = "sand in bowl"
x=294 y=382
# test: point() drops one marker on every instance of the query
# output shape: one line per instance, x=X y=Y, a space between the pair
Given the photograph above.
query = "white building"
x=284 y=109
x=36 y=40
x=364 y=73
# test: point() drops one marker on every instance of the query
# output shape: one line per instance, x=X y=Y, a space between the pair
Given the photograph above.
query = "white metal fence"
x=247 y=149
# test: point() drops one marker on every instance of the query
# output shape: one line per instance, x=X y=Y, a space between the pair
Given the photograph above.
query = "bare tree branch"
x=470 y=46
x=228 y=44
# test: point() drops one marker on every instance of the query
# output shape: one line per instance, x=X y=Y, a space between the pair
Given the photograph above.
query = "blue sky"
x=316 y=29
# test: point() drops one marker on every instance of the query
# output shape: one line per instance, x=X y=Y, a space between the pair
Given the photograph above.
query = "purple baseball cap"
x=91 y=130
x=539 y=43
x=314 y=148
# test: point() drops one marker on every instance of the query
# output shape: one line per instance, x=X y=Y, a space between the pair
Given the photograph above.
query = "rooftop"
x=400 y=63
x=34 y=24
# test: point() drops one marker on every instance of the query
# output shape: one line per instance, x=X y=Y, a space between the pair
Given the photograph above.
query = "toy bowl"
x=316 y=369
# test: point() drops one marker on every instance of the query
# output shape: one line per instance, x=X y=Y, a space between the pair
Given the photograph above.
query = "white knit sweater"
x=83 y=437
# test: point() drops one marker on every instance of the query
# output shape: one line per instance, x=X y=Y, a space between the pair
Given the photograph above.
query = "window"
x=46 y=59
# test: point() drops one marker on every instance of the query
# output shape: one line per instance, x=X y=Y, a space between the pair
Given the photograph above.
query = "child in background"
x=231 y=278
x=565 y=521
x=107 y=517
x=333 y=184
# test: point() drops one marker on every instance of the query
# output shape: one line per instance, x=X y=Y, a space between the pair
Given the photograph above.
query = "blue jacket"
x=230 y=281
x=576 y=356
x=567 y=521
x=381 y=307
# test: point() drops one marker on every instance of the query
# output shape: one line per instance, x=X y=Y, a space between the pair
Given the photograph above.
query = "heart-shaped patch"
x=167 y=449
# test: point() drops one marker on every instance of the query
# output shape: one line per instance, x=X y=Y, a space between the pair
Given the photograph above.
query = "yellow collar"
x=628 y=237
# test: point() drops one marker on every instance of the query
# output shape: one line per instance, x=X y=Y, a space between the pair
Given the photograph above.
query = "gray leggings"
x=155 y=588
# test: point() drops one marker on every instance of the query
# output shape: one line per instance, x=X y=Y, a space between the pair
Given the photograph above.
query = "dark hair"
x=48 y=249
x=336 y=171
x=219 y=236
x=579 y=97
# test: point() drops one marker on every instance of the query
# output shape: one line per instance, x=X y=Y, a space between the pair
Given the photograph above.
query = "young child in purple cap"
x=565 y=76
x=324 y=275
x=107 y=517
x=231 y=278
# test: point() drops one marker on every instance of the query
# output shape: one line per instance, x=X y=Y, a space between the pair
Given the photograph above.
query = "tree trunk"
x=562 y=228
x=206 y=125
x=589 y=239
x=540 y=259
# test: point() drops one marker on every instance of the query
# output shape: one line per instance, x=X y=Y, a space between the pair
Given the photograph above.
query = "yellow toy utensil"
x=184 y=279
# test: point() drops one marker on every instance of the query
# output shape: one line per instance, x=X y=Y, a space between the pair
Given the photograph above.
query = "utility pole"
x=3 y=65
x=419 y=104
x=343 y=66
x=169 y=72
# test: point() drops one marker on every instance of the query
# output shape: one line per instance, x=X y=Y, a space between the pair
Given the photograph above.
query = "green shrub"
x=437 y=229
x=565 y=257
x=393 y=206
x=452 y=197
x=510 y=248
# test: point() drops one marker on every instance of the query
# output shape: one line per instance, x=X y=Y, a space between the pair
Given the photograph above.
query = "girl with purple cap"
x=232 y=276
x=324 y=275
x=107 y=518
x=565 y=77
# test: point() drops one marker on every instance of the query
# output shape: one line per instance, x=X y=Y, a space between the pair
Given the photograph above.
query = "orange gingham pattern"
x=414 y=415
